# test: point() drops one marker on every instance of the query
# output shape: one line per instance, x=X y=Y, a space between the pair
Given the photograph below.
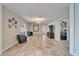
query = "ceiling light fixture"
x=38 y=22
x=39 y=19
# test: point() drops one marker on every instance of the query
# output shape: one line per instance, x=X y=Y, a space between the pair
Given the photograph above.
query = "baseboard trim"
x=9 y=47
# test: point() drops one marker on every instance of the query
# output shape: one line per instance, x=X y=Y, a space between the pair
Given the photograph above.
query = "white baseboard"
x=9 y=47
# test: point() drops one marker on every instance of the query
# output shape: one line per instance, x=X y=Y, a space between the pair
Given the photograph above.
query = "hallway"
x=36 y=46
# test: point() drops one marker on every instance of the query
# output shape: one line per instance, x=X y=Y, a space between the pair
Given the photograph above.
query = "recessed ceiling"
x=51 y=11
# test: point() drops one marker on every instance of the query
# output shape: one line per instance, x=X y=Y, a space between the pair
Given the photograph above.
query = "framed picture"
x=36 y=28
x=9 y=26
x=15 y=22
x=15 y=26
x=9 y=20
x=13 y=18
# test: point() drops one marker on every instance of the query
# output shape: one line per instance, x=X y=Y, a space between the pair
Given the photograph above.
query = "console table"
x=50 y=35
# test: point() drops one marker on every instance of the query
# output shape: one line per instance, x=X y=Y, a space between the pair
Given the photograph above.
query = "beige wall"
x=56 y=23
x=0 y=29
x=40 y=32
x=9 y=34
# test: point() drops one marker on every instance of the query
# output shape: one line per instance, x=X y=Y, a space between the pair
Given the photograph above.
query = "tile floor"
x=38 y=46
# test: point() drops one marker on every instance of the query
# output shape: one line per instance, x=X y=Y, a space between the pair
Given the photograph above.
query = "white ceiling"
x=51 y=11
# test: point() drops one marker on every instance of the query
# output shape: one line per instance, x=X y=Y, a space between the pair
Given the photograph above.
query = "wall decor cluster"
x=63 y=23
x=12 y=22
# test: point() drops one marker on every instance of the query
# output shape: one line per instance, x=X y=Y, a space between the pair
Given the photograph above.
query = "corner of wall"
x=0 y=29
